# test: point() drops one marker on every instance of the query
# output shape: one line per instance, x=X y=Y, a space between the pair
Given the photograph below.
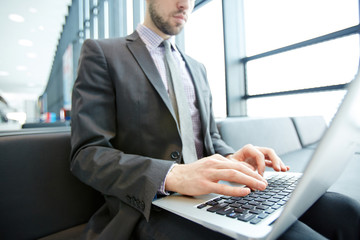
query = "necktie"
x=180 y=105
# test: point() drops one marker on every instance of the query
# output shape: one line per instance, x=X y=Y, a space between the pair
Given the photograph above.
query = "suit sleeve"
x=131 y=178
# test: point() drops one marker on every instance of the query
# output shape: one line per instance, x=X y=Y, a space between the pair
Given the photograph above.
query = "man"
x=126 y=141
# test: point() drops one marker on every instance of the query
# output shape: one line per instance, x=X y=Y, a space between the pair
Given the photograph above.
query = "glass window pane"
x=106 y=19
x=28 y=50
x=204 y=42
x=329 y=63
x=310 y=104
x=129 y=16
x=277 y=23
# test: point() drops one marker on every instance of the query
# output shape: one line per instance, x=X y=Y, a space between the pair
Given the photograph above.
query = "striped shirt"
x=157 y=52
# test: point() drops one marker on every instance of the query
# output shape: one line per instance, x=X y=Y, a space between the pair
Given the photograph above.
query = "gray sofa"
x=40 y=198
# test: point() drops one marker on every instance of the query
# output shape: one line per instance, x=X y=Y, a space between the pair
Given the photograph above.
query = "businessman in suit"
x=126 y=141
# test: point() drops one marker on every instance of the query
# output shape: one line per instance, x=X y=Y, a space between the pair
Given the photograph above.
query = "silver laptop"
x=264 y=217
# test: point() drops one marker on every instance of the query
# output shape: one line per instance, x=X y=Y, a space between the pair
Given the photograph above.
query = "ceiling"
x=28 y=44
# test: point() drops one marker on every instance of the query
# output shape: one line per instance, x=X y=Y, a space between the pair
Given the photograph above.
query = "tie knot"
x=167 y=45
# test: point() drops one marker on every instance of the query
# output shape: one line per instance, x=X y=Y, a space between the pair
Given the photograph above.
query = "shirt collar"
x=151 y=39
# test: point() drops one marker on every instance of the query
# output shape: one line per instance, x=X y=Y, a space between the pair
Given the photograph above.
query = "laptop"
x=263 y=217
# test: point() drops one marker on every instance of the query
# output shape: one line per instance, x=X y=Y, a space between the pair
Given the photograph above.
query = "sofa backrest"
x=277 y=133
x=39 y=195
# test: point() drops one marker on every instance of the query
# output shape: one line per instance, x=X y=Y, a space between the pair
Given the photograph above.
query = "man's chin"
x=176 y=30
x=172 y=30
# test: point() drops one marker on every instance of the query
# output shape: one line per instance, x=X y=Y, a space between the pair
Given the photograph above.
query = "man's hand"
x=258 y=157
x=202 y=176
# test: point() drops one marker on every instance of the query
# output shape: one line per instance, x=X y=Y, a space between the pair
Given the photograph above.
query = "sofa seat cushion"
x=298 y=160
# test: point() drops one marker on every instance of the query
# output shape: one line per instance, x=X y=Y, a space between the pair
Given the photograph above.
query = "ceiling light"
x=33 y=10
x=31 y=55
x=16 y=18
x=25 y=42
x=4 y=74
x=41 y=28
x=21 y=68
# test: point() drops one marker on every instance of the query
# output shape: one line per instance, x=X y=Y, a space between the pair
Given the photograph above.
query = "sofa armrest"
x=310 y=129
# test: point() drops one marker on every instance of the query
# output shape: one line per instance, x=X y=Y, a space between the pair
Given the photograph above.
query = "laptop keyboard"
x=258 y=204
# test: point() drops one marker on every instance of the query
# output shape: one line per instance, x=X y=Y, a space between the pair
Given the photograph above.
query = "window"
x=278 y=23
x=304 y=51
x=129 y=16
x=204 y=42
x=30 y=33
x=329 y=63
x=311 y=104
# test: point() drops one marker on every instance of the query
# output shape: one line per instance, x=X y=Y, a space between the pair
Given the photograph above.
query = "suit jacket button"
x=175 y=155
x=142 y=205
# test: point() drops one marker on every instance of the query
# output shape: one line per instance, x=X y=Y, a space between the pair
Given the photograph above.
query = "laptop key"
x=278 y=196
x=262 y=207
x=236 y=198
x=239 y=210
x=246 y=217
x=235 y=205
x=233 y=215
x=248 y=207
x=276 y=207
x=268 y=204
x=212 y=203
x=263 y=215
x=254 y=203
x=201 y=206
x=216 y=207
x=270 y=211
x=242 y=201
x=283 y=194
x=224 y=211
x=273 y=199
x=267 y=196
x=255 y=221
x=225 y=197
x=260 y=200
x=255 y=211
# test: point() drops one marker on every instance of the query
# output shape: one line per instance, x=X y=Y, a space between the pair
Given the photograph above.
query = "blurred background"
x=263 y=57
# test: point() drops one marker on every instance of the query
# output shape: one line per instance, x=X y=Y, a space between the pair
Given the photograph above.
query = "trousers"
x=332 y=216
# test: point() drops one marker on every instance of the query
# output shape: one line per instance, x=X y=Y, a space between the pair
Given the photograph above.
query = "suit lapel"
x=143 y=57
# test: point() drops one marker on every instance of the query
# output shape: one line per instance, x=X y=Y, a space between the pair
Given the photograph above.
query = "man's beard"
x=161 y=24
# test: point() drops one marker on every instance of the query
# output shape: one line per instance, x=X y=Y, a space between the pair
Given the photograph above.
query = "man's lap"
x=321 y=219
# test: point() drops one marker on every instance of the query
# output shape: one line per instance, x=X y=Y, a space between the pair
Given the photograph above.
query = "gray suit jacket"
x=124 y=132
